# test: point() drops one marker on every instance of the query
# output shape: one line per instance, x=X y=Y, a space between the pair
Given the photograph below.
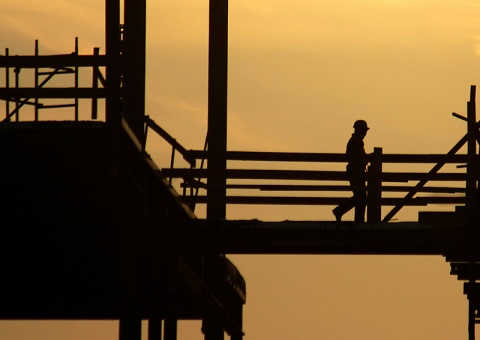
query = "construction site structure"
x=93 y=228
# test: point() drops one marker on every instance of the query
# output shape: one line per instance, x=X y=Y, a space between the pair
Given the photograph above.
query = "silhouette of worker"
x=357 y=163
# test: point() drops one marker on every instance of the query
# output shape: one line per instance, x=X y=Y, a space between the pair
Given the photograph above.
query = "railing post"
x=7 y=84
x=36 y=82
x=472 y=132
x=96 y=53
x=374 y=187
x=471 y=187
x=76 y=81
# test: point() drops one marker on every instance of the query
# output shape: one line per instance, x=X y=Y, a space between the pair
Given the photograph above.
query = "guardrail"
x=28 y=92
x=383 y=186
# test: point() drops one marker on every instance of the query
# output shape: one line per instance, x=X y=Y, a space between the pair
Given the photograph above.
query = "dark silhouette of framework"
x=92 y=229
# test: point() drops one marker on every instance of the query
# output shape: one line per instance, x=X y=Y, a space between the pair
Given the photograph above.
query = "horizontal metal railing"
x=28 y=90
x=292 y=185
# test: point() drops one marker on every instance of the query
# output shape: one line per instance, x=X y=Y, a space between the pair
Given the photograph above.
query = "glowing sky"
x=300 y=73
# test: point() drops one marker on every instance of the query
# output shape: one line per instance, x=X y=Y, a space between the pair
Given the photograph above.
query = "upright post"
x=472 y=171
x=134 y=40
x=374 y=188
x=96 y=52
x=155 y=328
x=113 y=75
x=75 y=71
x=170 y=329
x=36 y=82
x=217 y=144
x=217 y=109
x=471 y=186
x=7 y=85
x=130 y=329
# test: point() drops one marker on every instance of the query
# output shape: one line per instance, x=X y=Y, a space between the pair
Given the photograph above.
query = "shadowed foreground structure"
x=93 y=229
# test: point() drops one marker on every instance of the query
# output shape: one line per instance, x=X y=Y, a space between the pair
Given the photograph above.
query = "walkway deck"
x=325 y=237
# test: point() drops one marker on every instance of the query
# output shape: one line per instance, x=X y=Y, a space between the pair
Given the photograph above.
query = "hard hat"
x=361 y=124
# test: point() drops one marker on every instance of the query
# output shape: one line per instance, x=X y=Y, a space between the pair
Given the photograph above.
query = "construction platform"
x=92 y=230
x=90 y=233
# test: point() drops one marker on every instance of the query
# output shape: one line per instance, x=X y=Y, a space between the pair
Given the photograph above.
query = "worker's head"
x=361 y=127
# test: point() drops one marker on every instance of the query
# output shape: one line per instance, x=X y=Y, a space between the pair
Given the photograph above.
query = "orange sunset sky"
x=300 y=73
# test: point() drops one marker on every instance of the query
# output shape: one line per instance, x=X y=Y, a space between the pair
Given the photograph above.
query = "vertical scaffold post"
x=217 y=145
x=96 y=53
x=472 y=171
x=7 y=84
x=36 y=82
x=217 y=109
x=471 y=186
x=170 y=329
x=133 y=58
x=75 y=72
x=155 y=328
x=113 y=74
x=374 y=179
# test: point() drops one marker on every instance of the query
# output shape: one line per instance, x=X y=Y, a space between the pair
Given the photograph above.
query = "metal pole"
x=113 y=75
x=374 y=209
x=134 y=44
x=471 y=187
x=217 y=109
x=76 y=80
x=170 y=329
x=217 y=144
x=36 y=82
x=472 y=172
x=155 y=328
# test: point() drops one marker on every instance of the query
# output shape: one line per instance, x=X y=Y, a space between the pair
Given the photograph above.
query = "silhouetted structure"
x=92 y=229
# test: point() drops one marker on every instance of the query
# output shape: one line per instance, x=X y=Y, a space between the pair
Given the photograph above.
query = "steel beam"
x=319 y=237
x=113 y=73
x=134 y=42
x=217 y=108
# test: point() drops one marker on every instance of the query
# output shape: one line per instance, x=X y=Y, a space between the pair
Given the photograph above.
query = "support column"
x=471 y=186
x=217 y=142
x=113 y=73
x=134 y=44
x=130 y=329
x=213 y=279
x=155 y=328
x=170 y=329
x=472 y=166
x=217 y=109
